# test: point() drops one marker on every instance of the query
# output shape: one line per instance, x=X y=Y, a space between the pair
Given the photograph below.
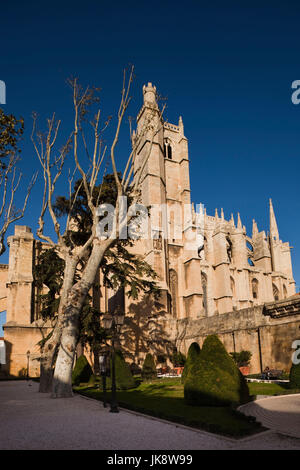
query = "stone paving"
x=30 y=420
x=280 y=413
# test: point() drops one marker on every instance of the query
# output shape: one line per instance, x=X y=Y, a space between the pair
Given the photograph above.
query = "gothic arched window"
x=284 y=291
x=232 y=285
x=204 y=290
x=249 y=246
x=202 y=249
x=275 y=292
x=254 y=286
x=174 y=291
x=168 y=149
x=229 y=249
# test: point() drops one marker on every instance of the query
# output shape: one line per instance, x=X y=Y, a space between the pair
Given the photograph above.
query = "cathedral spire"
x=180 y=125
x=274 y=234
x=254 y=228
x=232 y=220
x=216 y=214
x=222 y=213
x=239 y=222
x=149 y=92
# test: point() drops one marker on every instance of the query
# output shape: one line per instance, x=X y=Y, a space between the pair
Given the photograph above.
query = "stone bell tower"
x=150 y=168
x=166 y=188
x=23 y=329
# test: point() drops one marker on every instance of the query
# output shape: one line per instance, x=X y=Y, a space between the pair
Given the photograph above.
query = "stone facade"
x=23 y=329
x=213 y=276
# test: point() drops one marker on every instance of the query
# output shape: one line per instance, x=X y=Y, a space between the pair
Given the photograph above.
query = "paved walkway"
x=277 y=413
x=31 y=420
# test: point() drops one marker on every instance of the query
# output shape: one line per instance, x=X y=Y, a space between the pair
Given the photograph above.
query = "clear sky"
x=226 y=67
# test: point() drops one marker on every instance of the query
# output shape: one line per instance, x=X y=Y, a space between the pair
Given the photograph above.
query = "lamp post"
x=113 y=323
x=28 y=357
x=104 y=367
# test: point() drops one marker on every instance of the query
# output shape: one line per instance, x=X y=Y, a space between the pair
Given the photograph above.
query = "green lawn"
x=257 y=388
x=163 y=398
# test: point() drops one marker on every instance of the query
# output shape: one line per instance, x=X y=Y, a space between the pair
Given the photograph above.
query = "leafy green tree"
x=120 y=267
x=48 y=271
x=11 y=130
x=178 y=359
x=241 y=358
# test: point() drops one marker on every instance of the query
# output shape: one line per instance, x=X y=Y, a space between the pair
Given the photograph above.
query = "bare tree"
x=92 y=252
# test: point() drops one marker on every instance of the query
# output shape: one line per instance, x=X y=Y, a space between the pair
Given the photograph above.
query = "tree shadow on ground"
x=217 y=419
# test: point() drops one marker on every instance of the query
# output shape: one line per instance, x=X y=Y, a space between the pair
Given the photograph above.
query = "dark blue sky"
x=226 y=67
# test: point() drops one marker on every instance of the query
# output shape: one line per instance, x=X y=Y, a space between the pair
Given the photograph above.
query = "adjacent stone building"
x=213 y=276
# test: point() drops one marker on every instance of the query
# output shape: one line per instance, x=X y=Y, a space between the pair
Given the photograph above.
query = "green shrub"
x=22 y=372
x=124 y=377
x=93 y=380
x=295 y=376
x=82 y=371
x=241 y=358
x=193 y=355
x=149 y=369
x=214 y=379
x=178 y=359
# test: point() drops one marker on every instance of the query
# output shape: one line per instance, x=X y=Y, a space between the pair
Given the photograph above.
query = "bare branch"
x=125 y=100
x=11 y=213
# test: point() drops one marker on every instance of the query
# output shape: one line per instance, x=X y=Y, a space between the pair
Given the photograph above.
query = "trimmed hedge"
x=193 y=355
x=295 y=376
x=82 y=371
x=149 y=369
x=124 y=377
x=214 y=379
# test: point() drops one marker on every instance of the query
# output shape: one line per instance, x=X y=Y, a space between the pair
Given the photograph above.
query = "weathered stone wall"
x=3 y=291
x=269 y=339
x=18 y=341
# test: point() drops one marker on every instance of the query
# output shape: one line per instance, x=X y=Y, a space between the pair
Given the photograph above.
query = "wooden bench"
x=272 y=374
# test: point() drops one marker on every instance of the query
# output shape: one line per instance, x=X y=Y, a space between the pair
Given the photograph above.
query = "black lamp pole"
x=104 y=389
x=113 y=323
x=113 y=402
x=103 y=373
x=28 y=356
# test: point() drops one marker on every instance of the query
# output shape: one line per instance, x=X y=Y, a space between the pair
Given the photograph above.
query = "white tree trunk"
x=50 y=348
x=62 y=380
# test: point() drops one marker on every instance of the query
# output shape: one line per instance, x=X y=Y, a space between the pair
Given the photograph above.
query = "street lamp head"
x=119 y=318
x=107 y=322
x=103 y=362
x=28 y=354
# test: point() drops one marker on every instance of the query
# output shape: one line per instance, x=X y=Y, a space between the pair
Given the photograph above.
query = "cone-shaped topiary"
x=82 y=371
x=295 y=376
x=124 y=377
x=149 y=369
x=193 y=355
x=214 y=379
